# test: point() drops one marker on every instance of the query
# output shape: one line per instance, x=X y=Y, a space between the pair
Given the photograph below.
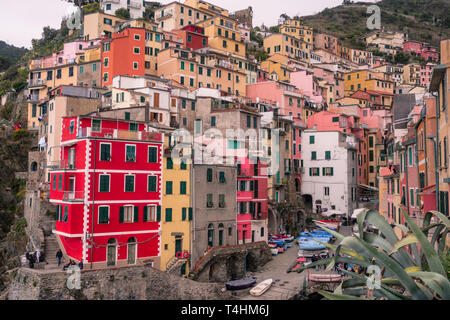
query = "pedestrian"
x=59 y=255
x=38 y=255
x=80 y=265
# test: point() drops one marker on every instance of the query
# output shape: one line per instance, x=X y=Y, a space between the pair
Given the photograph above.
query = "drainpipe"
x=438 y=108
x=93 y=204
x=406 y=176
x=432 y=138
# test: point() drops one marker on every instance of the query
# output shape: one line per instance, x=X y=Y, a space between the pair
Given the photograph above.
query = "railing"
x=33 y=98
x=136 y=5
x=119 y=134
x=73 y=195
x=60 y=164
x=36 y=83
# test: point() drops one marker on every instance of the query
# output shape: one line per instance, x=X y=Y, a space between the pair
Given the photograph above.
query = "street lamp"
x=436 y=172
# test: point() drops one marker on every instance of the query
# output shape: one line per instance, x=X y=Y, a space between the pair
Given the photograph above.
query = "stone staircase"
x=51 y=247
x=174 y=263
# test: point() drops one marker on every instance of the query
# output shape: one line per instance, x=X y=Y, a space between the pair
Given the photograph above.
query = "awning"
x=356 y=212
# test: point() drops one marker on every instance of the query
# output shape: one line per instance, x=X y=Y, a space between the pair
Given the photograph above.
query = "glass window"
x=129 y=183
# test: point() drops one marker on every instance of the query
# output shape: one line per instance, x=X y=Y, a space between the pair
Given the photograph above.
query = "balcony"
x=73 y=196
x=33 y=83
x=60 y=165
x=33 y=98
x=120 y=135
x=135 y=5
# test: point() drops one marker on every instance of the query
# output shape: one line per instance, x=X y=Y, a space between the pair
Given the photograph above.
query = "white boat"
x=274 y=251
x=261 y=288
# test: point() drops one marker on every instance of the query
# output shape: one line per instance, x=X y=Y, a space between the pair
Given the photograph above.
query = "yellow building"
x=197 y=70
x=368 y=80
x=296 y=29
x=176 y=213
x=206 y=7
x=411 y=74
x=287 y=45
x=97 y=23
x=224 y=35
x=282 y=70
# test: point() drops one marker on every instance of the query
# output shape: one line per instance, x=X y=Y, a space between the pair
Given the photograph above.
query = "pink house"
x=426 y=72
x=304 y=81
x=413 y=46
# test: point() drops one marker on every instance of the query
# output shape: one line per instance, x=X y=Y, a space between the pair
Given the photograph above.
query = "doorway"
x=178 y=245
x=132 y=250
x=111 y=253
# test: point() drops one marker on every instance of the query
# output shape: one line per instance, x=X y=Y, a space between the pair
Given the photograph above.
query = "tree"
x=274 y=29
x=402 y=57
x=122 y=13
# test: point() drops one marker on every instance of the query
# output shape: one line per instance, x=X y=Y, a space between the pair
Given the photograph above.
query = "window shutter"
x=323 y=171
x=310 y=172
x=158 y=214
x=183 y=214
x=190 y=214
x=168 y=215
x=121 y=215
x=331 y=170
x=209 y=175
x=66 y=214
x=251 y=185
x=57 y=213
x=145 y=214
x=136 y=214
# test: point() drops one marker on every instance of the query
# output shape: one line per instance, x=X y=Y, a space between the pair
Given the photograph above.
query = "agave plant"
x=410 y=268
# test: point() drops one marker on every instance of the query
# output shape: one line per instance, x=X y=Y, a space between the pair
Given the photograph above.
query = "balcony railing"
x=36 y=83
x=73 y=195
x=119 y=134
x=135 y=5
x=33 y=98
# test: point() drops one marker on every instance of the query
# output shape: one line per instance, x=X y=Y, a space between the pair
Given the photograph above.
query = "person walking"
x=38 y=255
x=59 y=255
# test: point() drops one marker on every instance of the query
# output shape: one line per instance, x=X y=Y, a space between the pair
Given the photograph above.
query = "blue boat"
x=311 y=245
x=278 y=242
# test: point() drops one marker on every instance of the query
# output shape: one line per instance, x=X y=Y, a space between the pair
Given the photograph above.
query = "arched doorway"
x=132 y=252
x=211 y=235
x=34 y=166
x=111 y=255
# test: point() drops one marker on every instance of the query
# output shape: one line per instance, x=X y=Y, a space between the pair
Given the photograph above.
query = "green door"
x=178 y=245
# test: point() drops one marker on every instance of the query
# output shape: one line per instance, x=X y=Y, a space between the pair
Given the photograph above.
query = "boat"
x=274 y=251
x=261 y=288
x=311 y=245
x=281 y=250
x=287 y=238
x=310 y=253
x=278 y=242
x=334 y=225
x=240 y=284
x=273 y=245
x=324 y=278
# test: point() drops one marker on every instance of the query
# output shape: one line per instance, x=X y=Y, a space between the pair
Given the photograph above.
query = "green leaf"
x=442 y=217
x=404 y=242
x=334 y=296
x=390 y=264
x=312 y=265
x=435 y=282
x=430 y=254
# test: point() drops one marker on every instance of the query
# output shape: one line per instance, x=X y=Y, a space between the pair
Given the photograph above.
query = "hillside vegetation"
x=424 y=20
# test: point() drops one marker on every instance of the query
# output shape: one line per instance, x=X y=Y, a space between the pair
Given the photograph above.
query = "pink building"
x=304 y=81
x=413 y=46
x=423 y=50
x=426 y=73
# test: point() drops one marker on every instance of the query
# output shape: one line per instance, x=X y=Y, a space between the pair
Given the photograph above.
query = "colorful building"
x=107 y=190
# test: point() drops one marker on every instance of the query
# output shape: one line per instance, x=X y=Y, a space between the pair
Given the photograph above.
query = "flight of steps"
x=51 y=247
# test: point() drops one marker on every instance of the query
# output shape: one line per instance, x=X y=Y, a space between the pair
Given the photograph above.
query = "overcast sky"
x=23 y=20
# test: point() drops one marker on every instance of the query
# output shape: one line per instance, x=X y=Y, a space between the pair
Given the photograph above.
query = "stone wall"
x=127 y=283
x=222 y=264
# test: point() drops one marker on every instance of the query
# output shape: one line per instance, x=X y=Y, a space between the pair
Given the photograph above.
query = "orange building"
x=201 y=70
x=124 y=54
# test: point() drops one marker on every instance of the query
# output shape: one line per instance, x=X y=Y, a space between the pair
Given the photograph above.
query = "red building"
x=252 y=201
x=107 y=189
x=193 y=37
x=421 y=49
x=124 y=55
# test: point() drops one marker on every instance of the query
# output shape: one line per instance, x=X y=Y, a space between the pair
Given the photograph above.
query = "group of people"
x=350 y=268
x=33 y=257
x=59 y=256
x=317 y=257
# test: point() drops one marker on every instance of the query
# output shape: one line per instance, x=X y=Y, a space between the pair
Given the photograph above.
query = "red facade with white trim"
x=82 y=163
